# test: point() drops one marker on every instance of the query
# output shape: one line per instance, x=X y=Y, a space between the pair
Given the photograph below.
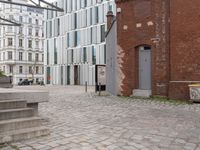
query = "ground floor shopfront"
x=70 y=74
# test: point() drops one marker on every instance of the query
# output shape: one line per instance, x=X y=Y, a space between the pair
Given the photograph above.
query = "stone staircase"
x=17 y=122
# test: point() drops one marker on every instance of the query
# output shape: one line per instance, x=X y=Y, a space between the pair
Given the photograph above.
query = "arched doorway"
x=144 y=67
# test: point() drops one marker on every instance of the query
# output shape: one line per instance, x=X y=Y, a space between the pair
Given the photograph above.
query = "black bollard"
x=86 y=86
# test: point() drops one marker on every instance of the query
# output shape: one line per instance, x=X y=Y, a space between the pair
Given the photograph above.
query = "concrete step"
x=141 y=93
x=23 y=134
x=22 y=123
x=16 y=113
x=17 y=99
x=12 y=104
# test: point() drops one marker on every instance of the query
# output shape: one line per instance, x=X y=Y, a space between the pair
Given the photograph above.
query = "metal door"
x=76 y=75
x=145 y=68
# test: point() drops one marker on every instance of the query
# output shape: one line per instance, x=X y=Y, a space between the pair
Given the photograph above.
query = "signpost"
x=100 y=78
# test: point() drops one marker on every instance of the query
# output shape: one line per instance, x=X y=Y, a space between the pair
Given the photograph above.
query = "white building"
x=21 y=48
x=75 y=41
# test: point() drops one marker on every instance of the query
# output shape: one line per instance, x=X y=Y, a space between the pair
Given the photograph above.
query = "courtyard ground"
x=86 y=121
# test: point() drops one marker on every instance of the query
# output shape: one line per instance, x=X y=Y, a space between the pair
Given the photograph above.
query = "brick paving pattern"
x=86 y=121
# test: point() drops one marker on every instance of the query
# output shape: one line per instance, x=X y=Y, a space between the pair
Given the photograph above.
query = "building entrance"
x=145 y=68
x=76 y=75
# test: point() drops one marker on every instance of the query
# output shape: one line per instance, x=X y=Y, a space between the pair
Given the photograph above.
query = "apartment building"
x=75 y=41
x=21 y=48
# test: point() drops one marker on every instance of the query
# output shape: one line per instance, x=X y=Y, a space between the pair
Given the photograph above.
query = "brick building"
x=153 y=48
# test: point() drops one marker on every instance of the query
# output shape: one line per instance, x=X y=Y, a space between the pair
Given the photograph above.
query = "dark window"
x=29 y=56
x=10 y=41
x=55 y=52
x=10 y=56
x=37 y=70
x=20 y=69
x=36 y=57
x=29 y=44
x=20 y=56
x=93 y=55
x=20 y=43
x=68 y=75
x=84 y=54
x=30 y=69
x=102 y=33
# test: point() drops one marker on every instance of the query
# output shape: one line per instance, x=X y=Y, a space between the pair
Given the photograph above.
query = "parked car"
x=25 y=82
x=41 y=82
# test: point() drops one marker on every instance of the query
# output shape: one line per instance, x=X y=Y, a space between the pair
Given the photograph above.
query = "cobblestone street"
x=85 y=121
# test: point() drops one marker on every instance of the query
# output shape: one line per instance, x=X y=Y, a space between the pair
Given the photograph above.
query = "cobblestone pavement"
x=85 y=121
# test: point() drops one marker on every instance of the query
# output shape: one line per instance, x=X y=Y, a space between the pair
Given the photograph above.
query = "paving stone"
x=86 y=121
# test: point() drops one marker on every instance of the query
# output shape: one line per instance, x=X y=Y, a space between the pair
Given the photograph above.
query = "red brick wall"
x=175 y=57
x=142 y=12
x=184 y=46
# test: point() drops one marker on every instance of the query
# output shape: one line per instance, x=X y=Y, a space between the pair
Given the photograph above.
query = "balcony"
x=9 y=62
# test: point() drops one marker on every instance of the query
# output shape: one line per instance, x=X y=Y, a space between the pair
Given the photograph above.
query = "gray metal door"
x=145 y=68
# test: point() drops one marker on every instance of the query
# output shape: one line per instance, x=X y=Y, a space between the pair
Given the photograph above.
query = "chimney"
x=110 y=17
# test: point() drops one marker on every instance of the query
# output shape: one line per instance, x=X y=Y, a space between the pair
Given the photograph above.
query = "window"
x=20 y=19
x=30 y=69
x=20 y=69
x=10 y=41
x=29 y=56
x=9 y=55
x=96 y=14
x=93 y=55
x=85 y=3
x=58 y=26
x=84 y=54
x=11 y=17
x=30 y=20
x=36 y=57
x=36 y=21
x=36 y=32
x=20 y=43
x=20 y=56
x=10 y=28
x=68 y=40
x=55 y=52
x=42 y=57
x=102 y=33
x=4 y=56
x=72 y=56
x=68 y=75
x=20 y=30
x=37 y=70
x=10 y=69
x=37 y=44
x=29 y=44
x=30 y=31
x=47 y=52
x=75 y=21
x=76 y=38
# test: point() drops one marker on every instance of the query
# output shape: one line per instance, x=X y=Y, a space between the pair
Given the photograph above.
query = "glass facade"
x=76 y=37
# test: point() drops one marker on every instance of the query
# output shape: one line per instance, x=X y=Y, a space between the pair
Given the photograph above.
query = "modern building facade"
x=75 y=41
x=21 y=48
x=153 y=48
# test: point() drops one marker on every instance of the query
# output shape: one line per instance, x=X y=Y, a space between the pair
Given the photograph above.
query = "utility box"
x=194 y=92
